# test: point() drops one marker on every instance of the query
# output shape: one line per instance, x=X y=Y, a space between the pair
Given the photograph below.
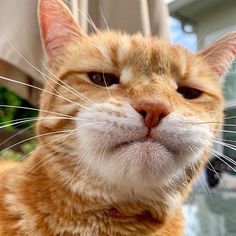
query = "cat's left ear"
x=220 y=54
x=57 y=26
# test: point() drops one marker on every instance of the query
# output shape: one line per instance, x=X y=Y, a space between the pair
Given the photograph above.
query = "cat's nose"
x=151 y=111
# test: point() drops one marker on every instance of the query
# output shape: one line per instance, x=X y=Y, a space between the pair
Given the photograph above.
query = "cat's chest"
x=98 y=225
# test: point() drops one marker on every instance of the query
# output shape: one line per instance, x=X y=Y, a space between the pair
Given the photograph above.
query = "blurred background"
x=194 y=24
x=210 y=210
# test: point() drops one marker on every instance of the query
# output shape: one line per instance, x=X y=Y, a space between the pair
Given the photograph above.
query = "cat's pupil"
x=189 y=93
x=97 y=78
x=103 y=79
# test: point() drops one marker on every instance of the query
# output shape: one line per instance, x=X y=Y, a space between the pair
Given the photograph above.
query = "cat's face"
x=143 y=113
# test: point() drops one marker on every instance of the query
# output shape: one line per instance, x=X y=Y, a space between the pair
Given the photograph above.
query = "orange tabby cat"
x=126 y=124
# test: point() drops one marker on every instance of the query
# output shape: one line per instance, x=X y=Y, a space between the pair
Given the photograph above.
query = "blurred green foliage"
x=25 y=149
x=10 y=112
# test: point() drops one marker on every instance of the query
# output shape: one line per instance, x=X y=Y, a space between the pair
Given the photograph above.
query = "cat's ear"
x=221 y=53
x=57 y=26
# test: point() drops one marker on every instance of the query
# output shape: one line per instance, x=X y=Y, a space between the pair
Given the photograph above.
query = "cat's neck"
x=69 y=207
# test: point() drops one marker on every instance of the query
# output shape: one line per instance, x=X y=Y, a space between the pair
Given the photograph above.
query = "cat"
x=126 y=125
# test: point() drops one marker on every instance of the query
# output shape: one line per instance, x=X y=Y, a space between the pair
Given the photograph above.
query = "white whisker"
x=226 y=158
x=43 y=90
x=36 y=109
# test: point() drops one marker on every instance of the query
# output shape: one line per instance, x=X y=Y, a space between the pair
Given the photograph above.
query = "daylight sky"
x=178 y=36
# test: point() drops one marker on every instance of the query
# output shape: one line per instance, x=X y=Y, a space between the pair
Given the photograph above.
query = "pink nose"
x=152 y=111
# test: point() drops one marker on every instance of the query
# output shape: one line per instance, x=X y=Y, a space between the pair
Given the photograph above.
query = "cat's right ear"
x=220 y=54
x=57 y=27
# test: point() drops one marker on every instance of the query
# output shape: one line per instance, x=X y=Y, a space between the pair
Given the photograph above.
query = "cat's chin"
x=146 y=147
x=142 y=153
x=145 y=142
x=121 y=150
x=140 y=166
x=145 y=160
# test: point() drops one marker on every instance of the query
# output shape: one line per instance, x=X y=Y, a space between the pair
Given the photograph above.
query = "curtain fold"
x=20 y=43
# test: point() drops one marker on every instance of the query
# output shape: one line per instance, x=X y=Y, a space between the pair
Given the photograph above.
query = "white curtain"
x=20 y=39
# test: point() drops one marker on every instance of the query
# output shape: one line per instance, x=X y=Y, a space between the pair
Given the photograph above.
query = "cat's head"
x=139 y=113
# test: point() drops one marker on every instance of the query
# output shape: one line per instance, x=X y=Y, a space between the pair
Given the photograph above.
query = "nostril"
x=162 y=115
x=143 y=113
x=151 y=111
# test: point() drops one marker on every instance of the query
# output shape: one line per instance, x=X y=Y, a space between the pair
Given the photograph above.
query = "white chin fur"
x=114 y=147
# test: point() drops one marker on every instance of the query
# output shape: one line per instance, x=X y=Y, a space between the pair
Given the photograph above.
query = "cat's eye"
x=189 y=93
x=103 y=79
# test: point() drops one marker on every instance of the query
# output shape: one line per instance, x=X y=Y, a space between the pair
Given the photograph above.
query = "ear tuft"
x=57 y=26
x=221 y=53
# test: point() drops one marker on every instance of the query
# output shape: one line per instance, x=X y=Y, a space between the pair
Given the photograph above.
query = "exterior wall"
x=220 y=18
x=13 y=73
x=212 y=24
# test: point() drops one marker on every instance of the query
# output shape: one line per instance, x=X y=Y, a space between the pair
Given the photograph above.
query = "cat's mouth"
x=147 y=143
x=140 y=141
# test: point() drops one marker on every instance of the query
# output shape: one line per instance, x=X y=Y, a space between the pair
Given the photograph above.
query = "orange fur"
x=6 y=165
x=52 y=194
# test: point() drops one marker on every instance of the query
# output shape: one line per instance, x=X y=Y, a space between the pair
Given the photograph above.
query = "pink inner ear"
x=57 y=26
x=221 y=53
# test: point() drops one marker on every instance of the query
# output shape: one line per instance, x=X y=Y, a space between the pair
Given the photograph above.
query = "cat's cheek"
x=114 y=146
x=138 y=164
x=132 y=167
x=184 y=136
x=105 y=126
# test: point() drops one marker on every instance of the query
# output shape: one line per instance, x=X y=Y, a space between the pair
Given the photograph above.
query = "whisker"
x=206 y=187
x=99 y=155
x=212 y=122
x=212 y=168
x=221 y=139
x=231 y=117
x=40 y=163
x=31 y=138
x=25 y=120
x=45 y=134
x=228 y=159
x=68 y=140
x=29 y=63
x=43 y=90
x=105 y=148
x=232 y=147
x=218 y=175
x=104 y=18
x=224 y=131
x=207 y=52
x=9 y=122
x=37 y=136
x=88 y=18
x=19 y=121
x=219 y=155
x=18 y=133
x=69 y=182
x=72 y=90
x=35 y=109
x=106 y=84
